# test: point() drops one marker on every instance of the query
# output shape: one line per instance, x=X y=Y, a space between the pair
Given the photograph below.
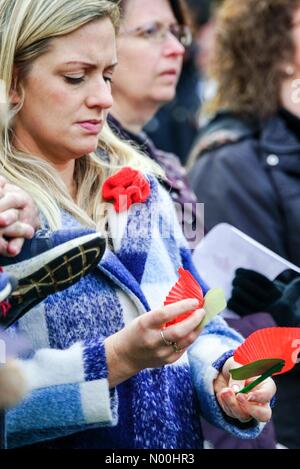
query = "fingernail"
x=194 y=303
x=235 y=388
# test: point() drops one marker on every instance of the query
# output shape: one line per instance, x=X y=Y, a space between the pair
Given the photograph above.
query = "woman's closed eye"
x=74 y=80
x=78 y=80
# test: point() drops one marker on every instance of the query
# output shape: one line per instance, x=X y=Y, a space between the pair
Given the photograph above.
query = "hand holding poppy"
x=266 y=352
x=187 y=287
x=244 y=407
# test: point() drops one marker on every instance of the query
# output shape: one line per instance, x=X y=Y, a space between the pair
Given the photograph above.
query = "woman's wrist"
x=119 y=368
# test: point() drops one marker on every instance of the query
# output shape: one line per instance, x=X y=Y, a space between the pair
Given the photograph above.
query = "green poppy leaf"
x=214 y=303
x=257 y=368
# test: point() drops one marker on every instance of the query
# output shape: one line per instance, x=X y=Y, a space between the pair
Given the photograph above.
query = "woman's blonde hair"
x=26 y=30
x=253 y=42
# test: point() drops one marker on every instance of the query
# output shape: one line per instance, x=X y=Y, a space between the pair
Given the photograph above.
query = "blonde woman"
x=98 y=376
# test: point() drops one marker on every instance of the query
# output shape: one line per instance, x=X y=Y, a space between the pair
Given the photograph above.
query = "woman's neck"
x=66 y=172
x=132 y=116
x=65 y=168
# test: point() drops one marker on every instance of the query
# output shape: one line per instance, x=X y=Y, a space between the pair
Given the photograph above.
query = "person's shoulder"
x=227 y=137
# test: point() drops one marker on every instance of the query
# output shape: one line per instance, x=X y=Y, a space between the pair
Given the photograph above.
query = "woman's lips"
x=92 y=127
x=170 y=72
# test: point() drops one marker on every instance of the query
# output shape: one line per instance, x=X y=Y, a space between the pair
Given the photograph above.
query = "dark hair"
x=178 y=7
x=200 y=10
x=253 y=42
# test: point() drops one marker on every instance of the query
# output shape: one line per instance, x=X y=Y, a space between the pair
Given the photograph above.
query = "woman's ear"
x=288 y=70
x=14 y=95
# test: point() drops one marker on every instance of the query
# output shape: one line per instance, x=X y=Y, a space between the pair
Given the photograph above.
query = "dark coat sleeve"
x=236 y=189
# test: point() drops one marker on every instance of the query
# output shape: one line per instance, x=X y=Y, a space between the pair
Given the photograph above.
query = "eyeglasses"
x=158 y=33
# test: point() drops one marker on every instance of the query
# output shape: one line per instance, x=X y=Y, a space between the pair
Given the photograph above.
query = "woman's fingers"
x=18 y=230
x=242 y=407
x=15 y=246
x=159 y=318
x=260 y=412
x=185 y=327
x=263 y=393
x=3 y=246
x=182 y=334
x=8 y=217
x=231 y=406
x=11 y=200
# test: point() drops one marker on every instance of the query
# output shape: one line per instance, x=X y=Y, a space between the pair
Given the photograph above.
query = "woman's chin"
x=165 y=96
x=85 y=149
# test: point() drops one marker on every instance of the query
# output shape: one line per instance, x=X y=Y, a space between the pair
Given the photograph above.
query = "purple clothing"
x=176 y=182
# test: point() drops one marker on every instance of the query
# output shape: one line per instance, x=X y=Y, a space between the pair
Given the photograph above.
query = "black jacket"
x=250 y=177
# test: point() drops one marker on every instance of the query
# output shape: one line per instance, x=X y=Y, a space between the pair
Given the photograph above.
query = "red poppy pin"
x=125 y=188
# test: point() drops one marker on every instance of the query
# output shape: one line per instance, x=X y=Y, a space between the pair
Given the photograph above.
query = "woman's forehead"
x=145 y=10
x=92 y=43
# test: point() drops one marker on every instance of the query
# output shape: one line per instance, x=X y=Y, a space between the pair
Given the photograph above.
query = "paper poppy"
x=5 y=306
x=4 y=309
x=188 y=287
x=125 y=188
x=267 y=352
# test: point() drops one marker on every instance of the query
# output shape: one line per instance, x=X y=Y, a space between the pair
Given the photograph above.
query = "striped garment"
x=71 y=405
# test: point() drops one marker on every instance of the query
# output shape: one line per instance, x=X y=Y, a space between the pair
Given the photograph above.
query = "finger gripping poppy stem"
x=274 y=369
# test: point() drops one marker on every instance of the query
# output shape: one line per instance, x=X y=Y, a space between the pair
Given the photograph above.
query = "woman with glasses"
x=105 y=372
x=152 y=40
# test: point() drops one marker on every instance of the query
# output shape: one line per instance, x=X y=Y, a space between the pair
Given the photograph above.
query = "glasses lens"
x=182 y=33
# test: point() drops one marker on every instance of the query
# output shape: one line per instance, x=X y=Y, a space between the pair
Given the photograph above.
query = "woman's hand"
x=146 y=344
x=18 y=218
x=244 y=407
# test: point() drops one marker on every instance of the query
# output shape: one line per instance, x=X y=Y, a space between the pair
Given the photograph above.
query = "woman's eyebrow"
x=81 y=62
x=89 y=64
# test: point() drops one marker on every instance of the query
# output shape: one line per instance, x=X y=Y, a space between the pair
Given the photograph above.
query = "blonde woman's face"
x=149 y=68
x=68 y=95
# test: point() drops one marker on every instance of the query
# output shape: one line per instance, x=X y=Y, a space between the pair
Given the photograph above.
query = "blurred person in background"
x=245 y=165
x=150 y=63
x=174 y=128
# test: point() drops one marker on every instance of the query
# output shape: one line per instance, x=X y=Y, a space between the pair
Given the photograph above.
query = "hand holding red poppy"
x=244 y=407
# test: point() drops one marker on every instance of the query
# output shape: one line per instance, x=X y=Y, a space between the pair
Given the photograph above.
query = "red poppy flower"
x=5 y=306
x=125 y=188
x=188 y=287
x=269 y=343
x=267 y=352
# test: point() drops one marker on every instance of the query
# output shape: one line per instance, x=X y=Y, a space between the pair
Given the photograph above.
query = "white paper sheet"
x=225 y=248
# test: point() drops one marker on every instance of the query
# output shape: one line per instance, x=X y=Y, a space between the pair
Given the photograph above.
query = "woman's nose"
x=173 y=46
x=100 y=95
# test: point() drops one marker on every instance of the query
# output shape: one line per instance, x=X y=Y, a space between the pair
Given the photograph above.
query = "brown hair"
x=253 y=41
